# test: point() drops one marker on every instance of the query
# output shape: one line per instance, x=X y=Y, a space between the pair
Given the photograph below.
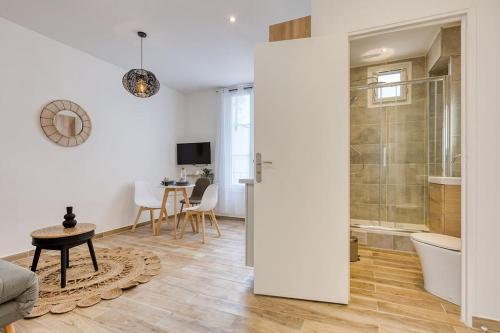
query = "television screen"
x=193 y=153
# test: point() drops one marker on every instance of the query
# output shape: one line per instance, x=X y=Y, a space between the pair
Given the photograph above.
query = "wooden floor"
x=207 y=288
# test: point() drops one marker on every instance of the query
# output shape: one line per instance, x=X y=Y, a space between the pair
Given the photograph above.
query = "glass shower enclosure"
x=399 y=136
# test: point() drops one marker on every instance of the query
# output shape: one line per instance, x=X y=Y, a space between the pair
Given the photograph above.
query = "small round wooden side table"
x=62 y=239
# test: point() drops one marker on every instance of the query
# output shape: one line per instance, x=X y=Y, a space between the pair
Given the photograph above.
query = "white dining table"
x=166 y=191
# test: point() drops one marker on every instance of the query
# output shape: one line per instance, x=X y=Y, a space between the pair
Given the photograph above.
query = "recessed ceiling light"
x=384 y=50
x=232 y=19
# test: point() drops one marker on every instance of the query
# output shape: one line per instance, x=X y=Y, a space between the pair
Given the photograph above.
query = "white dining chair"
x=206 y=206
x=145 y=198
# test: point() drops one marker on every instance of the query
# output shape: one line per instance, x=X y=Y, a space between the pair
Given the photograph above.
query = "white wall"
x=200 y=118
x=482 y=183
x=131 y=139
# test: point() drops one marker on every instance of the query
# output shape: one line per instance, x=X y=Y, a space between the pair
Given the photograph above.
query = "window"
x=234 y=149
x=392 y=95
x=241 y=138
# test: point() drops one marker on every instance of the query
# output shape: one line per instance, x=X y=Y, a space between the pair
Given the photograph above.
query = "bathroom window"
x=392 y=95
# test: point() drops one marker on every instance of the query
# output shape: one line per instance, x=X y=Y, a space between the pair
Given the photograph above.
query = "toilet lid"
x=443 y=241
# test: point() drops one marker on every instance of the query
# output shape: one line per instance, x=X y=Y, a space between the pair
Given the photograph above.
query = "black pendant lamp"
x=140 y=82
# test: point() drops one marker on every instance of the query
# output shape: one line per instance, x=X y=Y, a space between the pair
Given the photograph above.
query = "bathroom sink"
x=445 y=180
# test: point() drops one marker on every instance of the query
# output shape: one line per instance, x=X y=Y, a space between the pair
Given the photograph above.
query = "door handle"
x=258 y=166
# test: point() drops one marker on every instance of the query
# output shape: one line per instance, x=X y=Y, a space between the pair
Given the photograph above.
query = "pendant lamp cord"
x=141 y=52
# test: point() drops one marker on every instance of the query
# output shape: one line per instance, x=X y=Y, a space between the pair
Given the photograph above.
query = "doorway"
x=406 y=137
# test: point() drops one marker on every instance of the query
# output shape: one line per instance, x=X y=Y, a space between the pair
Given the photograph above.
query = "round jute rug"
x=119 y=270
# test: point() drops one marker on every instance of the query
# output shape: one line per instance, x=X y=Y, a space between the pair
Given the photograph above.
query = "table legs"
x=64 y=262
x=64 y=248
x=175 y=214
x=186 y=197
x=92 y=254
x=38 y=250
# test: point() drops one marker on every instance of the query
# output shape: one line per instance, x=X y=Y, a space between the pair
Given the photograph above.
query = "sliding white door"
x=302 y=201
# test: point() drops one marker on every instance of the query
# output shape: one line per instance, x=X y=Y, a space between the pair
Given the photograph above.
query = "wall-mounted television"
x=193 y=153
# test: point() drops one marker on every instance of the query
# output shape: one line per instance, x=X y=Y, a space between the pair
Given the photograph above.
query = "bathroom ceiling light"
x=232 y=19
x=378 y=54
x=140 y=82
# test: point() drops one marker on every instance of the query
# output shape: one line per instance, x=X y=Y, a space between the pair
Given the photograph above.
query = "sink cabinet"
x=445 y=209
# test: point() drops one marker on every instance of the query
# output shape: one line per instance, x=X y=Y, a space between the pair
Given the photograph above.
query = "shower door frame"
x=384 y=143
x=469 y=121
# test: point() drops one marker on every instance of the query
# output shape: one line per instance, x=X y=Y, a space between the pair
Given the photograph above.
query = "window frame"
x=405 y=98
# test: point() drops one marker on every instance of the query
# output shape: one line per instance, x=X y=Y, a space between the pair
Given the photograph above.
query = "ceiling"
x=393 y=45
x=190 y=46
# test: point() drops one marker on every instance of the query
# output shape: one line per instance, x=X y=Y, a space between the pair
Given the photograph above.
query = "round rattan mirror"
x=65 y=123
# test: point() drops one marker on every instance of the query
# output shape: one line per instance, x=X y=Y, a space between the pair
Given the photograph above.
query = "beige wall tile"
x=451 y=40
x=403 y=243
x=411 y=112
x=358 y=74
x=419 y=90
x=455 y=67
x=364 y=211
x=367 y=194
x=407 y=132
x=406 y=174
x=407 y=153
x=456 y=170
x=362 y=134
x=370 y=153
x=406 y=214
x=405 y=195
x=367 y=174
x=361 y=235
x=418 y=67
x=383 y=241
x=363 y=115
x=359 y=98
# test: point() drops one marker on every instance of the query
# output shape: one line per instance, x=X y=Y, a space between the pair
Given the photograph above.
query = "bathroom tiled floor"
x=391 y=284
x=207 y=288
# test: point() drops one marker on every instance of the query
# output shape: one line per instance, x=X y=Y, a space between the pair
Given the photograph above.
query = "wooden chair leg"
x=184 y=224
x=212 y=218
x=175 y=226
x=9 y=328
x=180 y=214
x=152 y=218
x=203 y=227
x=193 y=225
x=137 y=218
x=197 y=223
x=160 y=220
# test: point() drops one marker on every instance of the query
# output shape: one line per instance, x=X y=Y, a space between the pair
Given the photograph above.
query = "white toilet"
x=440 y=260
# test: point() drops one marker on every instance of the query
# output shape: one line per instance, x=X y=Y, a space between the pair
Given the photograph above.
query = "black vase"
x=69 y=218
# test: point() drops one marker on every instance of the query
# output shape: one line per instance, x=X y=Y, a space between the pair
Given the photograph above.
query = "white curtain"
x=234 y=149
